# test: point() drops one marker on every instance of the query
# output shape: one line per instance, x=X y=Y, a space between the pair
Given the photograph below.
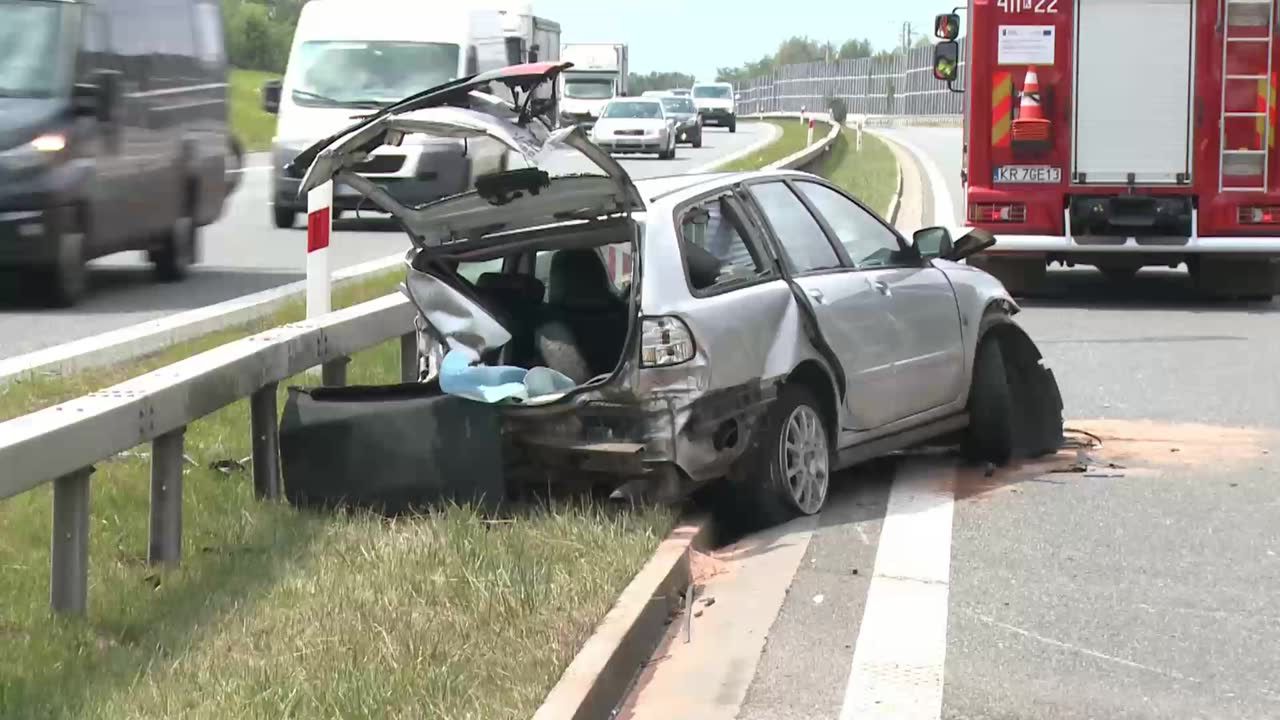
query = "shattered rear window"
x=724 y=239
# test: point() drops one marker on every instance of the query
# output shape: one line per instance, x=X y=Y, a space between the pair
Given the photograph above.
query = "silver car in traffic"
x=688 y=121
x=761 y=330
x=636 y=125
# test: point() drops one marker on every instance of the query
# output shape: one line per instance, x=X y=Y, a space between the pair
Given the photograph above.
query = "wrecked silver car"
x=762 y=327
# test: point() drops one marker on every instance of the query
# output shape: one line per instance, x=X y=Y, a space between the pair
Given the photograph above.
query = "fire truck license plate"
x=1027 y=174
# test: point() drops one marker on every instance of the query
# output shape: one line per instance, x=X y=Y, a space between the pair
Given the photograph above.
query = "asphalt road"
x=243 y=253
x=1140 y=584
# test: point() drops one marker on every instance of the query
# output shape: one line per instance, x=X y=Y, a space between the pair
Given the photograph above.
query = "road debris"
x=227 y=466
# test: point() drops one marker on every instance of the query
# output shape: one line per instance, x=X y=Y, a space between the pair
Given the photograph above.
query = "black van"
x=113 y=134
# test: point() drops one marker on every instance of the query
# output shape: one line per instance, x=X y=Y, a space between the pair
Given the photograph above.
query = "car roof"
x=676 y=188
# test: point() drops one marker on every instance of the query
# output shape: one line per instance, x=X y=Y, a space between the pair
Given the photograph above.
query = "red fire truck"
x=1121 y=134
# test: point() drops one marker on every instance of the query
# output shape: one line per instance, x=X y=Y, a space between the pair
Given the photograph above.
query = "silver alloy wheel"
x=805 y=459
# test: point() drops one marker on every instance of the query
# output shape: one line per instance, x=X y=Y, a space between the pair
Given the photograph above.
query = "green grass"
x=792 y=140
x=282 y=613
x=871 y=175
x=249 y=123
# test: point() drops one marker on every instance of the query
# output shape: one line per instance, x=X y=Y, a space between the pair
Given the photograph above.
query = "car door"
x=920 y=300
x=108 y=216
x=853 y=317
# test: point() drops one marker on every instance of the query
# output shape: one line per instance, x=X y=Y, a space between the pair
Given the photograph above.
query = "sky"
x=698 y=37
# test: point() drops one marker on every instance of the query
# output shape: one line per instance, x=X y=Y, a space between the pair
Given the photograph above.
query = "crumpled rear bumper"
x=699 y=435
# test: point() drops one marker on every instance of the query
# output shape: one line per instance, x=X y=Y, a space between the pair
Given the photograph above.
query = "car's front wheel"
x=990 y=433
x=787 y=470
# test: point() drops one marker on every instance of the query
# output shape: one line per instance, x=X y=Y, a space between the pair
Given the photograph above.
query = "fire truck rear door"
x=1133 y=91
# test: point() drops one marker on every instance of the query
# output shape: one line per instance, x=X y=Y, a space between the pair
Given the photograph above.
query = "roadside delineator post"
x=810 y=140
x=319 y=227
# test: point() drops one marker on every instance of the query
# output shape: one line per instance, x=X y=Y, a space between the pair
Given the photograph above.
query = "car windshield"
x=712 y=91
x=678 y=105
x=637 y=109
x=30 y=46
x=598 y=89
x=356 y=73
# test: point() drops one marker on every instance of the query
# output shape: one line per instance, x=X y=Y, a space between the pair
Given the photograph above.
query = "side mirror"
x=99 y=98
x=946 y=27
x=932 y=242
x=271 y=96
x=973 y=242
x=946 y=61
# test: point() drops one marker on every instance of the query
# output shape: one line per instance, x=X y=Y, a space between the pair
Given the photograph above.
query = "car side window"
x=802 y=239
x=712 y=231
x=869 y=243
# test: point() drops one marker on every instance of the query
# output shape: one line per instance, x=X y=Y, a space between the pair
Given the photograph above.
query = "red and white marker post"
x=810 y=140
x=319 y=227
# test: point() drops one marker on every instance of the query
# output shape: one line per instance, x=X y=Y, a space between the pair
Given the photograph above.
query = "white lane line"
x=133 y=341
x=902 y=641
x=1083 y=651
x=252 y=168
x=944 y=209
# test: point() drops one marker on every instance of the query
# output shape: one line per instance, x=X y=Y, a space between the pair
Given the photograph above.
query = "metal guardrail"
x=61 y=444
x=803 y=158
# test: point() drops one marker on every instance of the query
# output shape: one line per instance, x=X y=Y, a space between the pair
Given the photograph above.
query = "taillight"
x=1258 y=214
x=665 y=341
x=998 y=212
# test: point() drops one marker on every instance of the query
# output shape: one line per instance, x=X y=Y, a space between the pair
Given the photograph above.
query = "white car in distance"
x=636 y=125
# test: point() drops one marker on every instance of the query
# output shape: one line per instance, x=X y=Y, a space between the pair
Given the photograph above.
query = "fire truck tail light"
x=1258 y=215
x=998 y=212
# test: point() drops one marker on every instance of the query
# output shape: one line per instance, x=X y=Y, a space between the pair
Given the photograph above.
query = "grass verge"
x=871 y=175
x=280 y=613
x=793 y=139
x=249 y=122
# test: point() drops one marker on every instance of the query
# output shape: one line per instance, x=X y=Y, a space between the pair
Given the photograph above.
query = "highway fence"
x=900 y=85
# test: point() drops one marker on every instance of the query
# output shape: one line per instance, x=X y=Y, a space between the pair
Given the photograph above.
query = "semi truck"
x=598 y=75
x=1120 y=134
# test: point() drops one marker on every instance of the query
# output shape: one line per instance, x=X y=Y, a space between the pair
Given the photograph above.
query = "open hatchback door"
x=589 y=183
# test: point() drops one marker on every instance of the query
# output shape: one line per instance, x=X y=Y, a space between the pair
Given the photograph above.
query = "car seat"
x=585 y=322
x=515 y=301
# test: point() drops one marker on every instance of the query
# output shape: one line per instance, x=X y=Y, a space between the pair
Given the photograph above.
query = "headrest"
x=521 y=288
x=580 y=279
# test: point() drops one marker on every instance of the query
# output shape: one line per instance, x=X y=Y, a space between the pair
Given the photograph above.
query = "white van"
x=717 y=104
x=351 y=57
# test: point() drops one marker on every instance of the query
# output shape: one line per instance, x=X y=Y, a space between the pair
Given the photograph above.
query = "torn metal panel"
x=451 y=317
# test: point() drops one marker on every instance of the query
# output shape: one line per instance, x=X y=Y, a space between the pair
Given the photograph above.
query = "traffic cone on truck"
x=1031 y=130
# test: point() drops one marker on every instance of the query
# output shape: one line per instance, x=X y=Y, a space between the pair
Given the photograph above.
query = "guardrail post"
x=334 y=372
x=69 y=551
x=409 y=367
x=264 y=425
x=167 y=457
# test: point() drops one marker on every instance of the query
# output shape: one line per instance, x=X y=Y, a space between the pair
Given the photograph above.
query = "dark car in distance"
x=113 y=135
